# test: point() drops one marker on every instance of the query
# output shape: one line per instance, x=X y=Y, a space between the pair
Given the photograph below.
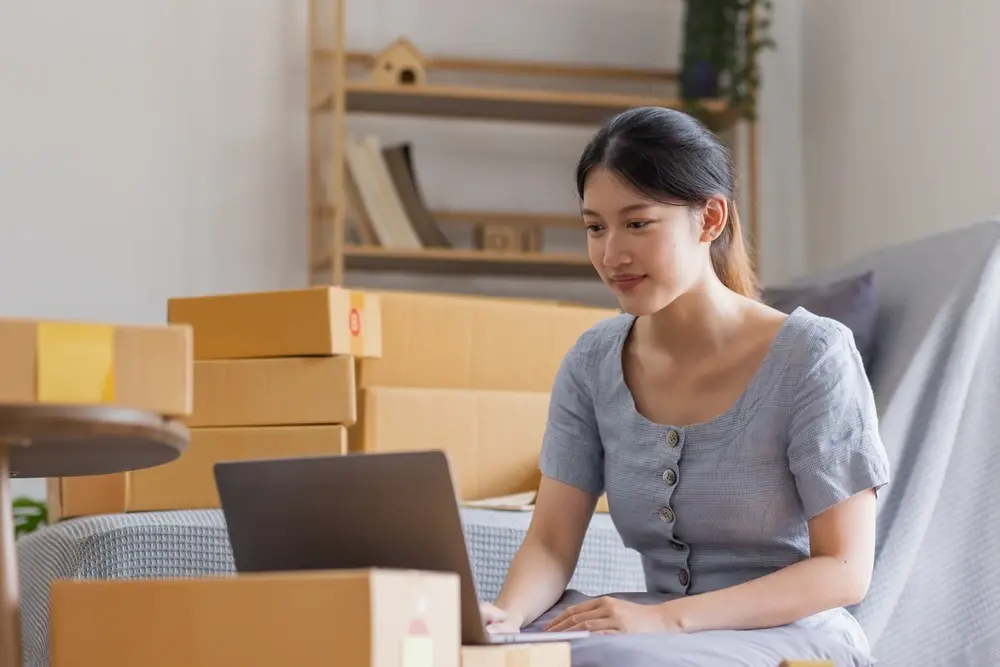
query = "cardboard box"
x=274 y=392
x=549 y=654
x=189 y=481
x=141 y=367
x=464 y=342
x=477 y=297
x=493 y=438
x=376 y=618
x=284 y=323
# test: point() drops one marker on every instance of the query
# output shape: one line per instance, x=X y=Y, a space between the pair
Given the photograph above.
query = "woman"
x=738 y=446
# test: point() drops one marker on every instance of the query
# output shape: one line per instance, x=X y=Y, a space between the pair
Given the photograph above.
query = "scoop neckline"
x=762 y=377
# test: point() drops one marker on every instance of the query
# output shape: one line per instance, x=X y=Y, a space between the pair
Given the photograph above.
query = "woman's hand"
x=606 y=615
x=499 y=621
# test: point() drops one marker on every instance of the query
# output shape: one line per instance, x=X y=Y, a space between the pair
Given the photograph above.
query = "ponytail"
x=731 y=260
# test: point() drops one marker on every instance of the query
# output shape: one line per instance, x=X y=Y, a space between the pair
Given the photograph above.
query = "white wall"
x=901 y=116
x=157 y=148
x=147 y=149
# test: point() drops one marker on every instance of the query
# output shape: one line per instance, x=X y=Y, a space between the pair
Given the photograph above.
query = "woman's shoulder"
x=819 y=343
x=601 y=339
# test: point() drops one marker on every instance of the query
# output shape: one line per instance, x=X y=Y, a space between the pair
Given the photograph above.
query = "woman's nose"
x=616 y=251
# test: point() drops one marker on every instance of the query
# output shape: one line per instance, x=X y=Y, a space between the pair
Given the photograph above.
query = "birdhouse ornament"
x=400 y=64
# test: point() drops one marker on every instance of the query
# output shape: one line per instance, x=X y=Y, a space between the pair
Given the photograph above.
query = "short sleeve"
x=834 y=448
x=572 y=451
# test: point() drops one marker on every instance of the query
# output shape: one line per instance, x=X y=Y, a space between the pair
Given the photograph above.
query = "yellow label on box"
x=74 y=363
x=417 y=651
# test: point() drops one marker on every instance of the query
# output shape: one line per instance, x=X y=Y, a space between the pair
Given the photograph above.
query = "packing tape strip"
x=74 y=363
x=355 y=323
x=417 y=651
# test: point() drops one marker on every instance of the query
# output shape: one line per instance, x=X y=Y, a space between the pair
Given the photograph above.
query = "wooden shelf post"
x=327 y=136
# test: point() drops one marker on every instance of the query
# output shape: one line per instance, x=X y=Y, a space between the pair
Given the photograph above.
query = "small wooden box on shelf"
x=400 y=80
x=508 y=238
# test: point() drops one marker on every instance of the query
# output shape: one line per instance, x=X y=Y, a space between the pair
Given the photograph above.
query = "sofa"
x=935 y=370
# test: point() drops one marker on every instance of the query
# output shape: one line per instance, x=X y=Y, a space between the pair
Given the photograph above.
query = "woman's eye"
x=593 y=228
x=638 y=224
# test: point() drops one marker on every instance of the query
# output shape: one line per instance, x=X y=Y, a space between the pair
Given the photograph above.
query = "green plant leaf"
x=728 y=35
x=29 y=515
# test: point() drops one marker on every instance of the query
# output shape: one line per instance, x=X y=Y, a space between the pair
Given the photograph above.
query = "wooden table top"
x=73 y=440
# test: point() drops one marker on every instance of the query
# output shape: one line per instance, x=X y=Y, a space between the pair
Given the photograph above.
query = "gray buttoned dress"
x=718 y=503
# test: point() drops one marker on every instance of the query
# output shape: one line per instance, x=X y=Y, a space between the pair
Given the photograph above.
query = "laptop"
x=292 y=514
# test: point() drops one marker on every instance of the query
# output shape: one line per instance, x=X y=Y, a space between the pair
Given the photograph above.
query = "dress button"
x=673 y=438
x=683 y=577
x=669 y=477
x=676 y=546
x=666 y=514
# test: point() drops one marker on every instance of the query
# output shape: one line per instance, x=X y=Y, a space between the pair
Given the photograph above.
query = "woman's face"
x=648 y=253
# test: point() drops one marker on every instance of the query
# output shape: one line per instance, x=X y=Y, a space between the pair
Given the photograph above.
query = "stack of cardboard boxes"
x=289 y=373
x=324 y=371
x=273 y=376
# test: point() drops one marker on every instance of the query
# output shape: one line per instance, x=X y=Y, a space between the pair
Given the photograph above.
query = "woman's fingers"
x=491 y=614
x=577 y=621
x=503 y=628
x=577 y=609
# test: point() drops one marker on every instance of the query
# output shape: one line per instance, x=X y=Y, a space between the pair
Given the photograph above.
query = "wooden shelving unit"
x=335 y=93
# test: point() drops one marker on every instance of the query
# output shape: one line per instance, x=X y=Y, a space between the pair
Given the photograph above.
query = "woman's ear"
x=713 y=218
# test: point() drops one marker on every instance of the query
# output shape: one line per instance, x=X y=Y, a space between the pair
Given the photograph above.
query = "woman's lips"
x=626 y=283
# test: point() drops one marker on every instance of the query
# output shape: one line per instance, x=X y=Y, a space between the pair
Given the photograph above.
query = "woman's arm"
x=543 y=565
x=837 y=573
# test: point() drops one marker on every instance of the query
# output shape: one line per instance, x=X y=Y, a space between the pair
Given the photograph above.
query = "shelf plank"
x=527 y=105
x=508 y=67
x=519 y=219
x=468 y=262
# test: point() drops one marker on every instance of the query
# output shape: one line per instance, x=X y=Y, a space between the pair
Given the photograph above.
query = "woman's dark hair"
x=672 y=158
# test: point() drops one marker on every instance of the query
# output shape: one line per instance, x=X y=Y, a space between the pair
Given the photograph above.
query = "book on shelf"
x=377 y=195
x=385 y=205
x=399 y=160
x=359 y=228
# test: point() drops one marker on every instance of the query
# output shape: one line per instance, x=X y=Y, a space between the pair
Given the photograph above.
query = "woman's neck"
x=699 y=323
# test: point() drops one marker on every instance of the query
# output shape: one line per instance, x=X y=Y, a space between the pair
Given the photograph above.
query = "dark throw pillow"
x=851 y=301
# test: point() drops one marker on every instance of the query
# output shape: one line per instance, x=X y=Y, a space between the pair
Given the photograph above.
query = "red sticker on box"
x=354 y=322
x=418 y=647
